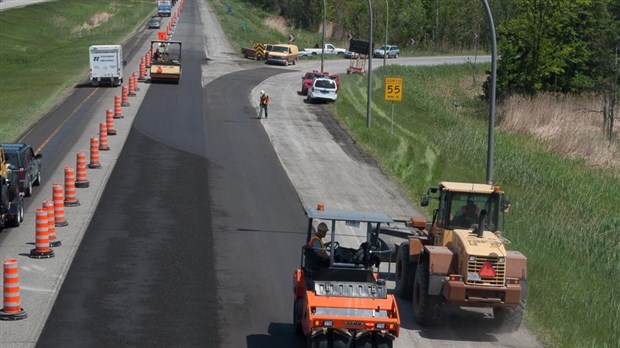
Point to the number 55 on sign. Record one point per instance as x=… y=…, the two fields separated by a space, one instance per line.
x=393 y=89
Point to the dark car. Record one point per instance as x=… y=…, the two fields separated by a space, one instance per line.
x=154 y=23
x=26 y=163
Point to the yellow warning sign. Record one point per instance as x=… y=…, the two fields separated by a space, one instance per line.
x=393 y=89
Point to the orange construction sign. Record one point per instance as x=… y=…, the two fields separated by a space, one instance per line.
x=162 y=35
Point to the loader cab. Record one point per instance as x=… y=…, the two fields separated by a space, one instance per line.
x=461 y=206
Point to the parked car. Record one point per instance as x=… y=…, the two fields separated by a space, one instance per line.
x=26 y=163
x=154 y=23
x=323 y=88
x=308 y=78
x=351 y=55
x=392 y=51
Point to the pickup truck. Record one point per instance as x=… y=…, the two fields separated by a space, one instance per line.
x=329 y=49
x=26 y=163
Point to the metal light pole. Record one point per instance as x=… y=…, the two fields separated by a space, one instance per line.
x=492 y=92
x=387 y=16
x=323 y=46
x=369 y=90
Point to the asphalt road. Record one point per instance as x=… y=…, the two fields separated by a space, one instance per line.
x=190 y=234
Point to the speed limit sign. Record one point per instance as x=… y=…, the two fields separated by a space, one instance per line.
x=393 y=89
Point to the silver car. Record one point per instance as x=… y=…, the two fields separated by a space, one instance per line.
x=392 y=51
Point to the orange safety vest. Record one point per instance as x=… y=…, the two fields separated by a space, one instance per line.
x=264 y=99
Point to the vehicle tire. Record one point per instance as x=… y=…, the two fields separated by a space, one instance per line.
x=4 y=197
x=404 y=272
x=28 y=191
x=13 y=186
x=396 y=56
x=297 y=312
x=426 y=308
x=508 y=319
x=19 y=218
x=37 y=180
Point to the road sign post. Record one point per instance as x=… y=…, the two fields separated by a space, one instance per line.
x=393 y=92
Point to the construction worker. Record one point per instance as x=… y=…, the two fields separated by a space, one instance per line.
x=316 y=242
x=263 y=104
x=467 y=214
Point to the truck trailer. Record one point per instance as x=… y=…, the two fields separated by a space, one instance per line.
x=106 y=64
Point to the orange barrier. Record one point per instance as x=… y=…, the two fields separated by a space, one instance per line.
x=48 y=205
x=132 y=87
x=94 y=154
x=125 y=95
x=42 y=244
x=118 y=113
x=142 y=76
x=70 y=198
x=12 y=309
x=59 y=205
x=103 y=137
x=80 y=164
x=162 y=35
x=149 y=56
x=109 y=119
x=134 y=76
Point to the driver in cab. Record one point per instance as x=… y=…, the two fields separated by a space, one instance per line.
x=316 y=242
x=467 y=214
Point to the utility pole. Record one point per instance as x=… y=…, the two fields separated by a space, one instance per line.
x=323 y=47
x=387 y=16
x=492 y=92
x=369 y=87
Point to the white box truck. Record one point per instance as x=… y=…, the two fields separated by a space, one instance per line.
x=106 y=64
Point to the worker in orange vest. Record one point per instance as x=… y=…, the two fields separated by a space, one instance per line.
x=263 y=104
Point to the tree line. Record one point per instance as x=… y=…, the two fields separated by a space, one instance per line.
x=560 y=46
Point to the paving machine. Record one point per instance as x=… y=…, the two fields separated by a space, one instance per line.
x=340 y=300
x=165 y=61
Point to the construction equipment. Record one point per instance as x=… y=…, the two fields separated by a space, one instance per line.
x=357 y=65
x=11 y=199
x=459 y=257
x=340 y=301
x=165 y=61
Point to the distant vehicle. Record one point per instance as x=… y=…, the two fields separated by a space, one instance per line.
x=350 y=55
x=322 y=88
x=154 y=23
x=308 y=78
x=284 y=54
x=26 y=163
x=392 y=51
x=106 y=64
x=164 y=8
x=329 y=49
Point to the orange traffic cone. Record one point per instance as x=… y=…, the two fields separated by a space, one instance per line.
x=42 y=244
x=70 y=198
x=118 y=112
x=142 y=76
x=94 y=154
x=59 y=205
x=12 y=309
x=109 y=119
x=48 y=205
x=103 y=137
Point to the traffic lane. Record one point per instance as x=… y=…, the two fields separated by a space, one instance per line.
x=259 y=222
x=143 y=275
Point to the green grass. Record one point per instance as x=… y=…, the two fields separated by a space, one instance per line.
x=44 y=52
x=565 y=215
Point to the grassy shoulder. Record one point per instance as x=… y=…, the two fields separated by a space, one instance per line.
x=44 y=52
x=561 y=218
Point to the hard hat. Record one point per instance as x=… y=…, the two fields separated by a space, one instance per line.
x=322 y=227
x=262 y=92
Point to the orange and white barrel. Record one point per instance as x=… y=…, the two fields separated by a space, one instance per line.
x=94 y=153
x=59 y=205
x=48 y=205
x=42 y=243
x=125 y=95
x=11 y=306
x=70 y=197
x=109 y=120
x=118 y=112
x=103 y=137
x=80 y=164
